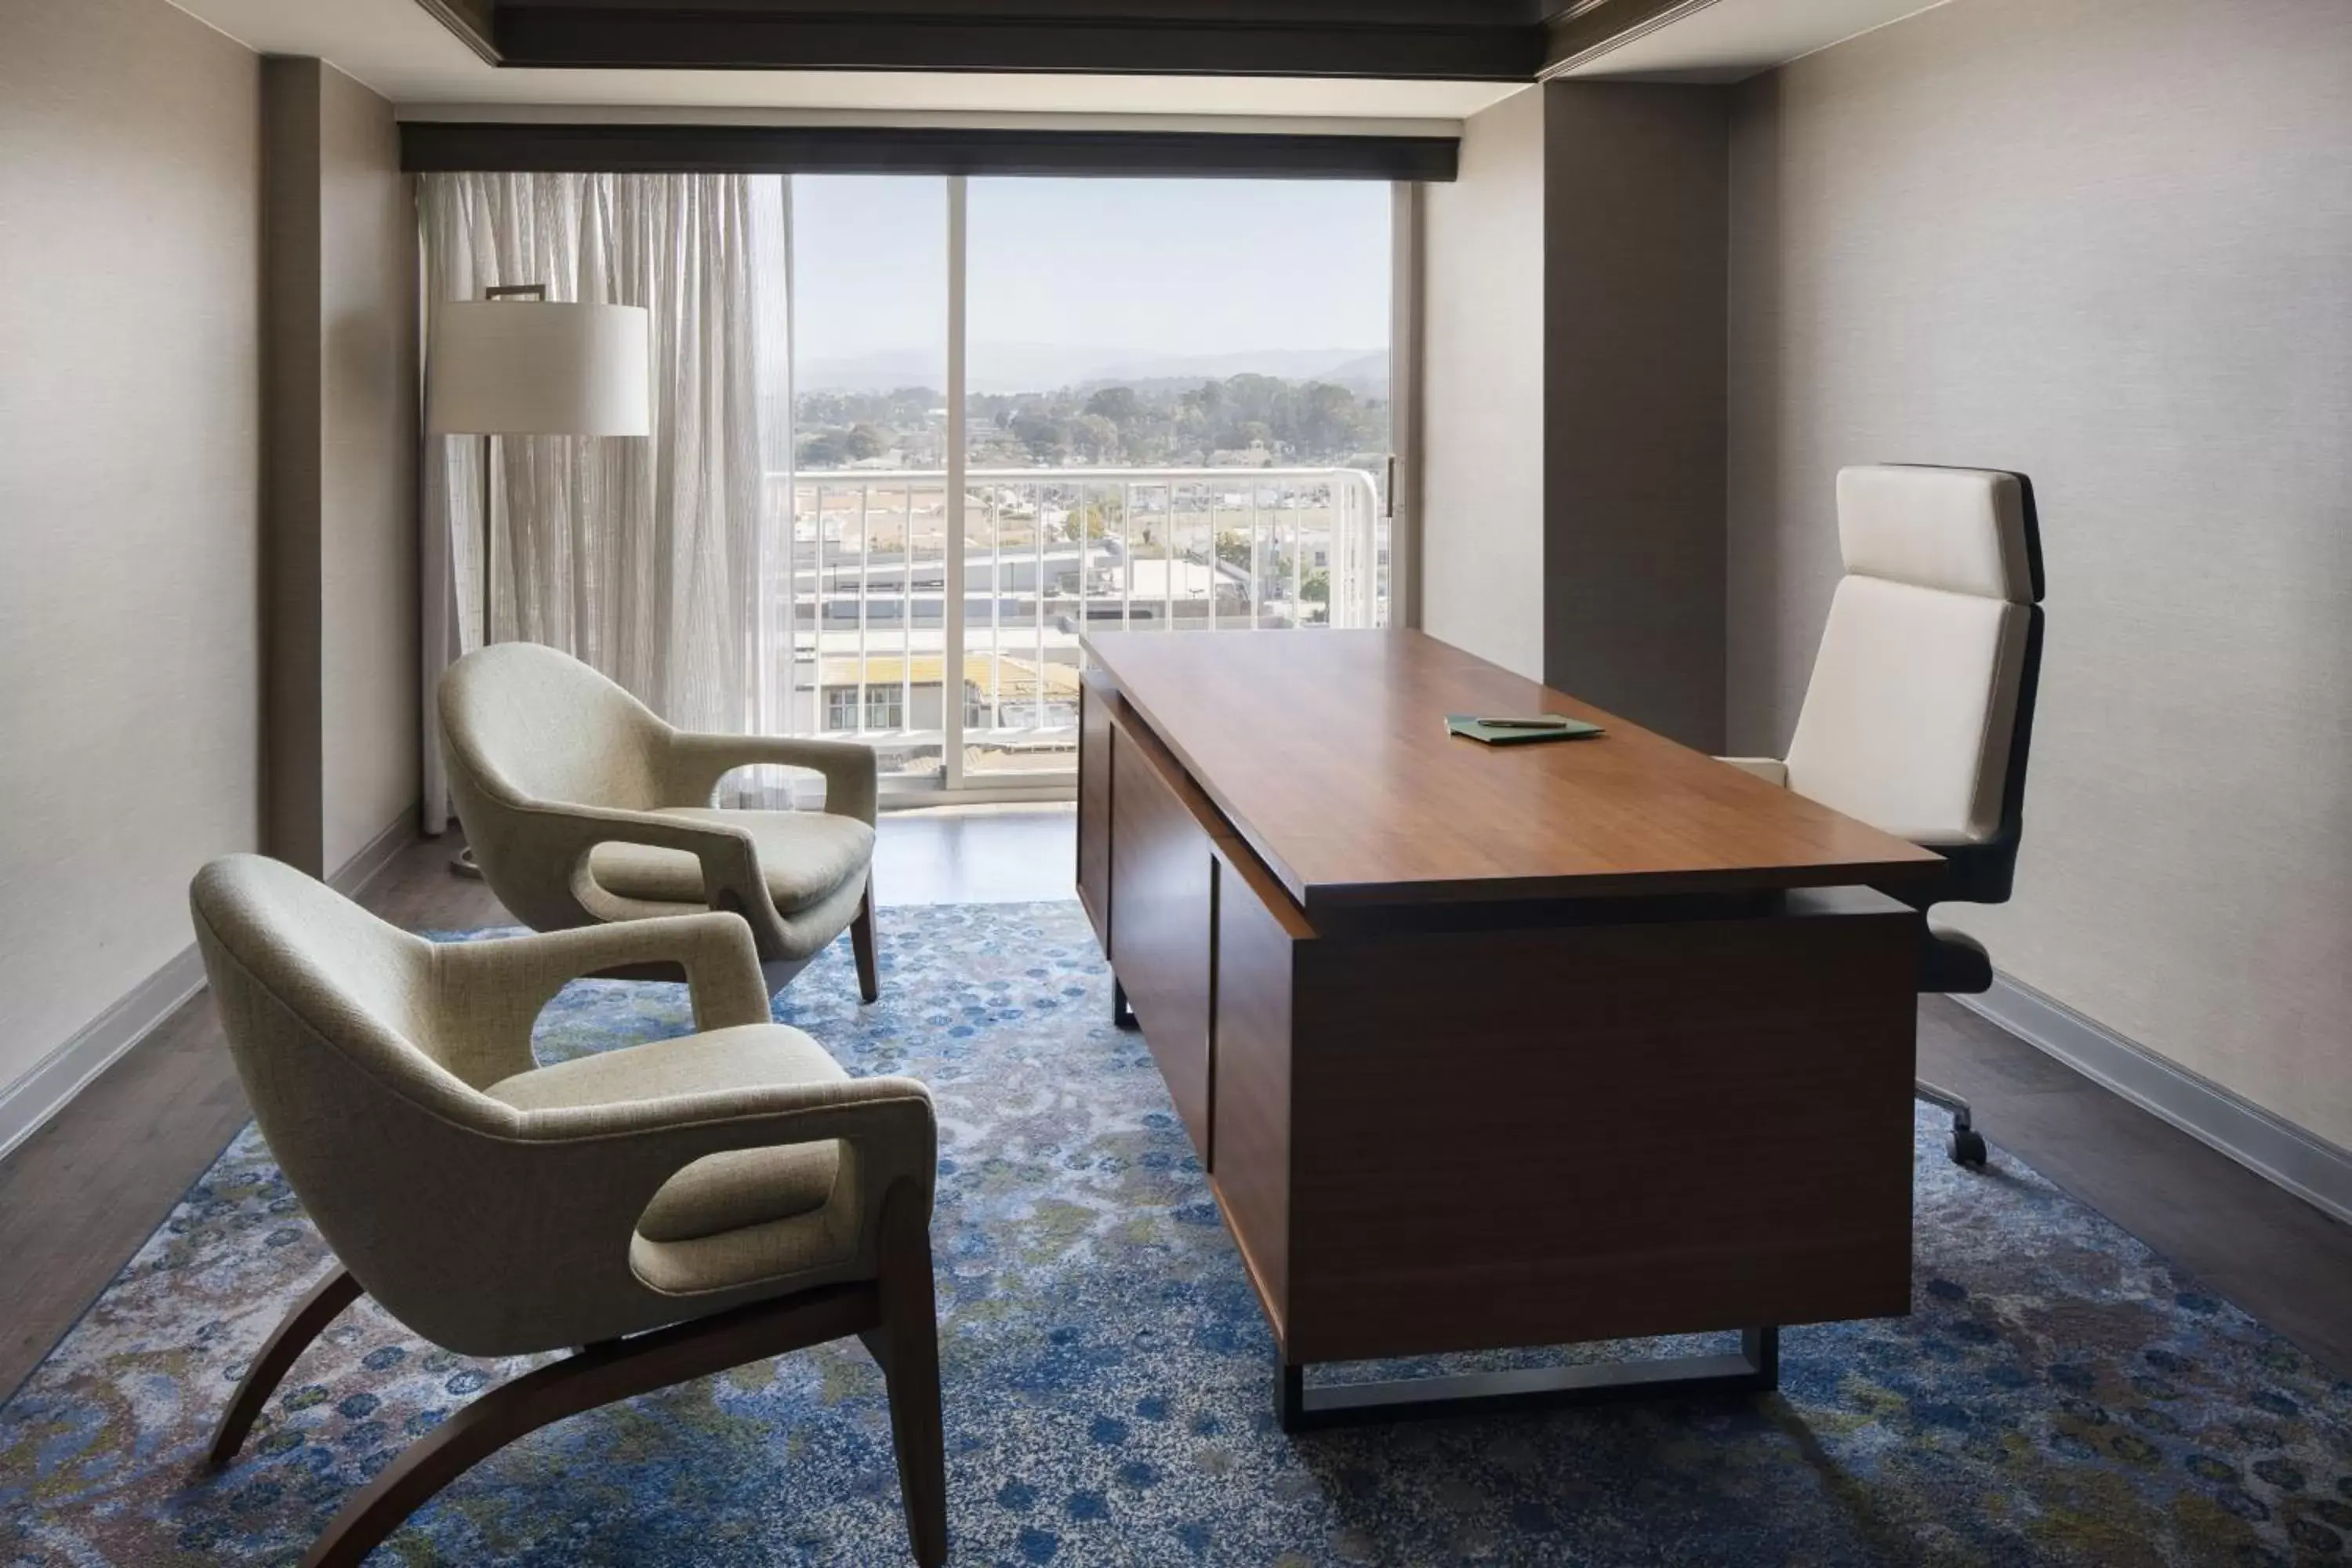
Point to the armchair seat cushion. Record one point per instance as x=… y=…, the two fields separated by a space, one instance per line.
x=719 y=1193
x=804 y=857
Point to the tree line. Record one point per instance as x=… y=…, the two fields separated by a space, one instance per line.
x=1242 y=418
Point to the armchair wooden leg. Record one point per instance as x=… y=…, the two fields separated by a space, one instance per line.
x=908 y=1346
x=601 y=1375
x=306 y=1322
x=861 y=940
x=779 y=972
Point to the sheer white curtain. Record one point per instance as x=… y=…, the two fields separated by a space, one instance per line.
x=642 y=557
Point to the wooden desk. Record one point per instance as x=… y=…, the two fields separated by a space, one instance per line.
x=1498 y=1047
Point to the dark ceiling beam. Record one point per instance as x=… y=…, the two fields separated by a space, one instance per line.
x=1106 y=43
x=1405 y=40
x=428 y=146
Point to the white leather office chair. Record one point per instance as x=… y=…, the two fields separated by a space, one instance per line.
x=1921 y=703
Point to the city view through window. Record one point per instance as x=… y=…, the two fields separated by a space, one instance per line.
x=1176 y=417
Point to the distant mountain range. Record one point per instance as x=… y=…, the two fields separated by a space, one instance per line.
x=1047 y=367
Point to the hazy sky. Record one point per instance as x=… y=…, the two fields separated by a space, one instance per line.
x=1162 y=267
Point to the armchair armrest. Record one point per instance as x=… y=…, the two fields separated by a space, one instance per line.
x=561 y=1191
x=852 y=777
x=1771 y=770
x=489 y=994
x=888 y=1123
x=893 y=1113
x=731 y=879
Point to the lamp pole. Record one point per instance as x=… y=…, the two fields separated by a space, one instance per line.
x=463 y=863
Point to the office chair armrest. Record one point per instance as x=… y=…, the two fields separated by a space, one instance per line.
x=851 y=776
x=489 y=994
x=1953 y=964
x=1771 y=770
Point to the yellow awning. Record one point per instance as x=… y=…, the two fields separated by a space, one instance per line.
x=1004 y=679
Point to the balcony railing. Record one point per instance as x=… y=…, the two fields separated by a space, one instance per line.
x=858 y=588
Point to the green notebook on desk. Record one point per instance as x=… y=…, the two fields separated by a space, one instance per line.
x=1498 y=729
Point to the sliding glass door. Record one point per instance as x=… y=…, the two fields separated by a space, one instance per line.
x=1177 y=404
x=1021 y=409
x=866 y=485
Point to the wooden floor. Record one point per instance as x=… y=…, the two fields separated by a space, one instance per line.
x=2283 y=1261
x=80 y=1195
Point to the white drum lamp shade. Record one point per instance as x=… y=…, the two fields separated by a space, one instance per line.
x=534 y=367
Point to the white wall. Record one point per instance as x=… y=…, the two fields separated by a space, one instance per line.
x=2108 y=243
x=1482 y=481
x=129 y=496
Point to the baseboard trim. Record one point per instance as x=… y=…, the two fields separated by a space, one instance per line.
x=29 y=1103
x=26 y=1105
x=377 y=853
x=2306 y=1166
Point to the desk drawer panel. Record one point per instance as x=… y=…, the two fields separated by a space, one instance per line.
x=1163 y=887
x=1540 y=1135
x=1093 y=803
x=1257 y=944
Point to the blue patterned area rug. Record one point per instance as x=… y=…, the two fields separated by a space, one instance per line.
x=2057 y=1395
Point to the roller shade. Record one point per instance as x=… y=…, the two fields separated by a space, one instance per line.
x=436 y=146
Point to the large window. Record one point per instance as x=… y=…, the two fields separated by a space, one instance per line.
x=1174 y=416
x=869 y=481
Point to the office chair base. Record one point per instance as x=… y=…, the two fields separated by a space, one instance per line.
x=1967 y=1143
x=1301 y=1406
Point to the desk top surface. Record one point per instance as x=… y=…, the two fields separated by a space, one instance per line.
x=1327 y=752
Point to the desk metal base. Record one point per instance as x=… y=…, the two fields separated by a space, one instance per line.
x=1755 y=1368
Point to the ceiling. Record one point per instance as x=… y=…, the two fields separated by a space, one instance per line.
x=1730 y=39
x=399 y=50
x=402 y=52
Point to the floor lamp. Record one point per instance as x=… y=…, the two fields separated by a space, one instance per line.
x=515 y=362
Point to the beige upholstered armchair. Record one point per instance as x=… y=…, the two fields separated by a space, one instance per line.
x=582 y=806
x=676 y=1208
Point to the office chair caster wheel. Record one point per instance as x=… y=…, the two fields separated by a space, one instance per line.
x=1967 y=1147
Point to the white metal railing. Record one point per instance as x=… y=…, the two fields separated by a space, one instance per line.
x=857 y=582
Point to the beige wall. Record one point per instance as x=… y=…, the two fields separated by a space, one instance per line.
x=1482 y=484
x=1633 y=425
x=1573 y=423
x=368 y=556
x=341 y=723
x=136 y=478
x=129 y=503
x=292 y=450
x=2108 y=243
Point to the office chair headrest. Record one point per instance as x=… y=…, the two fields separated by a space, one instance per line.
x=1965 y=530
